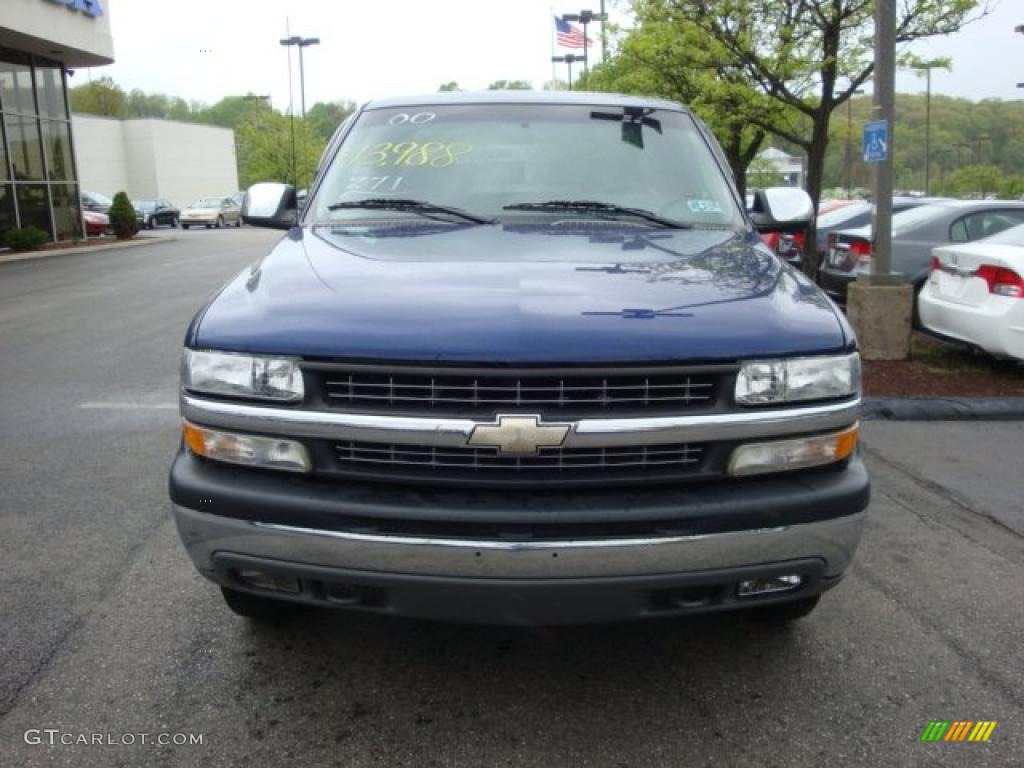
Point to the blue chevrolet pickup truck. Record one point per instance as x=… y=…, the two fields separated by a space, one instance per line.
x=521 y=358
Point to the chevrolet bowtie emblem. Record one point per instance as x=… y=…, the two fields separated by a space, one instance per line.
x=523 y=435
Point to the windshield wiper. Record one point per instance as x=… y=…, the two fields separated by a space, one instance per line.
x=594 y=206
x=404 y=204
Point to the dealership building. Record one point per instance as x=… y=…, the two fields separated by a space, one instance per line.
x=49 y=158
x=40 y=40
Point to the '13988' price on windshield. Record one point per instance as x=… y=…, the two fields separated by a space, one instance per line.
x=406 y=154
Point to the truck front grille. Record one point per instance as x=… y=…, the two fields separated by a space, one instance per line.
x=486 y=465
x=486 y=391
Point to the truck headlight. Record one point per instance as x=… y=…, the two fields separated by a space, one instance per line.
x=761 y=382
x=224 y=373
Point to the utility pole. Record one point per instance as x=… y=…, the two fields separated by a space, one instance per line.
x=604 y=34
x=880 y=304
x=884 y=109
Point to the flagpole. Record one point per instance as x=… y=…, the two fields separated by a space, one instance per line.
x=551 y=17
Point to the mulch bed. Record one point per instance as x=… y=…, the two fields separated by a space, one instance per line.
x=940 y=369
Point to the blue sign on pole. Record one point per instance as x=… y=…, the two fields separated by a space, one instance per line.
x=876 y=141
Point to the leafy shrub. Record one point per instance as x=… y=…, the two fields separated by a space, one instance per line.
x=26 y=238
x=122 y=217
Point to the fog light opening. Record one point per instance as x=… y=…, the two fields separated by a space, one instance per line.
x=769 y=585
x=268 y=581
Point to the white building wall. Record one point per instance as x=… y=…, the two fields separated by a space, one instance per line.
x=190 y=161
x=181 y=162
x=99 y=153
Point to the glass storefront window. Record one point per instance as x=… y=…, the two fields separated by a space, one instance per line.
x=34 y=206
x=25 y=147
x=37 y=168
x=66 y=216
x=7 y=220
x=50 y=88
x=16 y=92
x=4 y=170
x=57 y=140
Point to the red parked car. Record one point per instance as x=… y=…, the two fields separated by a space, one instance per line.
x=96 y=224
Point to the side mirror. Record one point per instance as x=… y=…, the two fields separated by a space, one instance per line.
x=781 y=209
x=270 y=205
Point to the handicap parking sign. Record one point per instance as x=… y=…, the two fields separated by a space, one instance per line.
x=876 y=141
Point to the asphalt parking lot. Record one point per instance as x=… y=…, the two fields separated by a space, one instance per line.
x=107 y=629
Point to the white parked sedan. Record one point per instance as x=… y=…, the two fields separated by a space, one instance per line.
x=975 y=293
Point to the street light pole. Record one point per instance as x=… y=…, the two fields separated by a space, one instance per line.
x=928 y=131
x=568 y=59
x=585 y=18
x=301 y=43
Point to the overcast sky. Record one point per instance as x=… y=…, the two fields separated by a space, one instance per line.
x=205 y=49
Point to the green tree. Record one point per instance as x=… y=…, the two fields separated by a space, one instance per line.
x=265 y=150
x=556 y=85
x=510 y=85
x=232 y=111
x=325 y=116
x=670 y=59
x=101 y=97
x=762 y=173
x=451 y=85
x=974 y=181
x=809 y=56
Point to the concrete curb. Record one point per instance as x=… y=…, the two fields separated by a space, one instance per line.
x=943 y=409
x=10 y=258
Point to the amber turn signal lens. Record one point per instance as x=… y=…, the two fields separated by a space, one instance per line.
x=787 y=455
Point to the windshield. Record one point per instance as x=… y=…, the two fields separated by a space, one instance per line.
x=1012 y=236
x=145 y=205
x=206 y=203
x=99 y=199
x=481 y=158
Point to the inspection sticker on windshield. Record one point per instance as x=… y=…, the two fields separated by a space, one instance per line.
x=704 y=206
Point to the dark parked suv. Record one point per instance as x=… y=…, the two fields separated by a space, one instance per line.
x=521 y=358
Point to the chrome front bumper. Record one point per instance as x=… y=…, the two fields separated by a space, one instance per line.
x=205 y=536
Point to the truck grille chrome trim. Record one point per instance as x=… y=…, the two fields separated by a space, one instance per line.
x=565 y=392
x=374 y=456
x=455 y=433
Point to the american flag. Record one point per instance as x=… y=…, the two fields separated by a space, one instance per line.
x=568 y=36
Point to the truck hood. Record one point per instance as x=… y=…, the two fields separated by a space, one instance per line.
x=590 y=292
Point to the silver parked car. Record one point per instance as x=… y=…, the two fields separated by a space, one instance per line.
x=212 y=212
x=915 y=233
